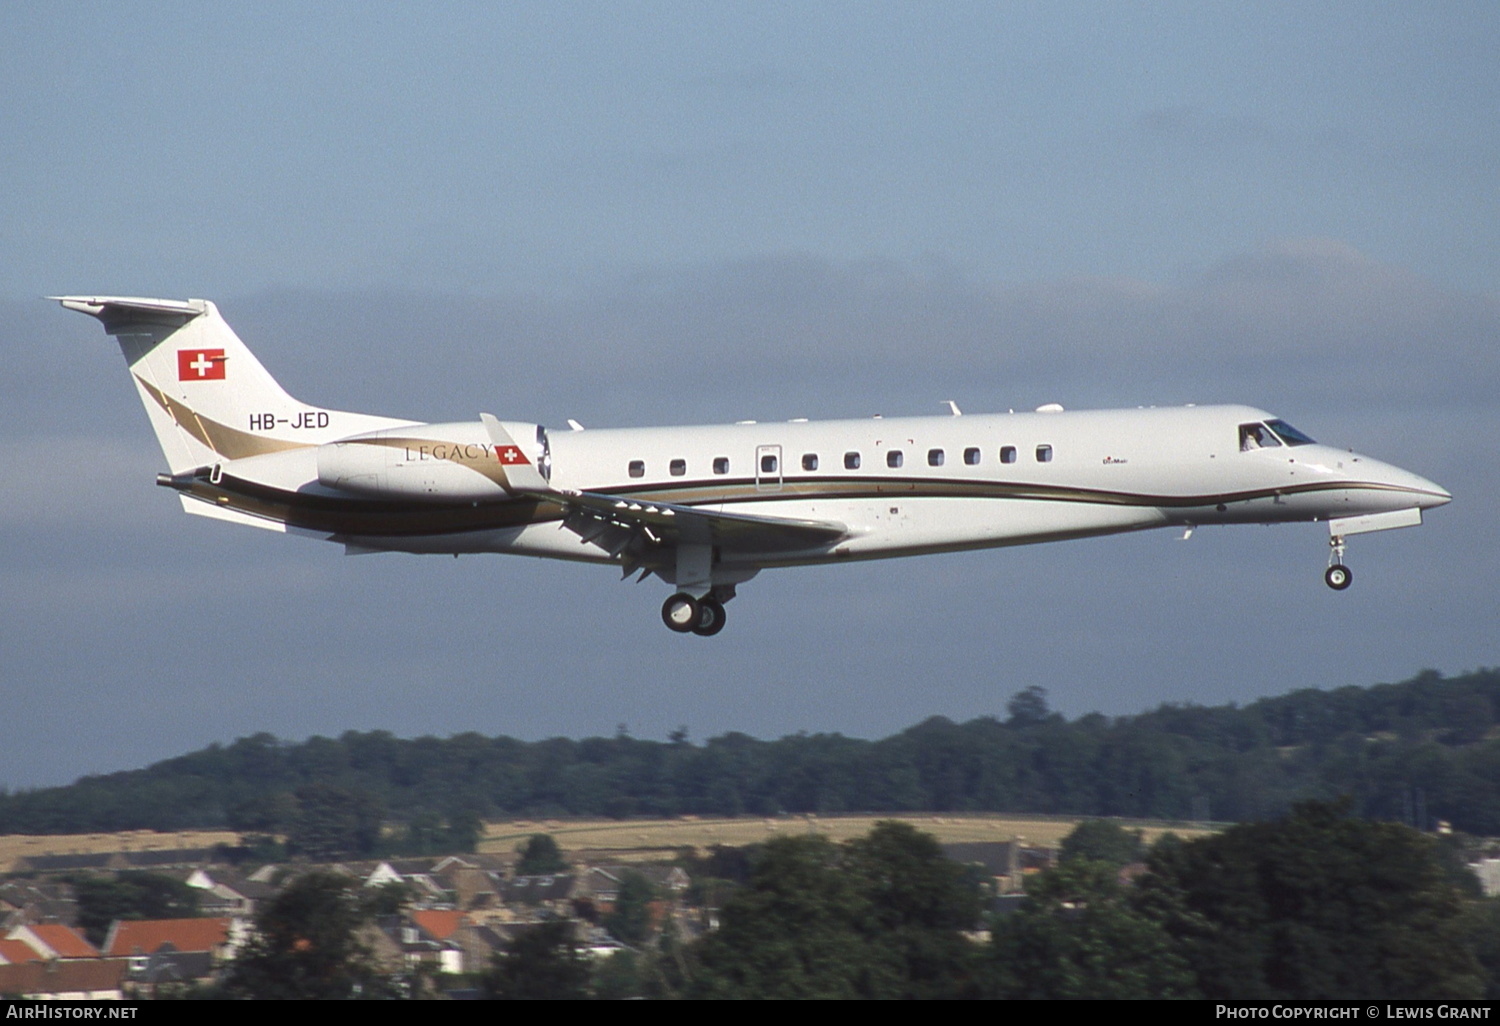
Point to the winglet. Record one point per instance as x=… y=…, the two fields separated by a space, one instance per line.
x=521 y=474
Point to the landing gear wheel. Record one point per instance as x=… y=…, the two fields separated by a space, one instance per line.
x=710 y=617
x=682 y=612
x=1338 y=577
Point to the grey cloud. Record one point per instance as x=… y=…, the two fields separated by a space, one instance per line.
x=1296 y=320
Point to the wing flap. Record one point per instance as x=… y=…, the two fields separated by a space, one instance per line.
x=670 y=522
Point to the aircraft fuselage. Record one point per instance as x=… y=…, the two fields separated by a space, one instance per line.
x=706 y=508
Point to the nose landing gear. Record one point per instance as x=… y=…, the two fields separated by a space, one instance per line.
x=1337 y=576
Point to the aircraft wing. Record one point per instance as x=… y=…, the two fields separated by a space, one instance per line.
x=669 y=522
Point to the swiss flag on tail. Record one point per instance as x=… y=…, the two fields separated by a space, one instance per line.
x=510 y=454
x=200 y=364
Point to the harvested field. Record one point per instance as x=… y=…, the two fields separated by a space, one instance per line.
x=652 y=836
x=16 y=846
x=626 y=839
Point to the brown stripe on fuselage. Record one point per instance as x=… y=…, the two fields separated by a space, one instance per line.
x=700 y=493
x=387 y=518
x=231 y=443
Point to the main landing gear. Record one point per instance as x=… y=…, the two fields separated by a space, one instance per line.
x=685 y=614
x=1337 y=576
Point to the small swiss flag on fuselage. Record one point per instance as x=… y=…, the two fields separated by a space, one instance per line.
x=200 y=364
x=509 y=454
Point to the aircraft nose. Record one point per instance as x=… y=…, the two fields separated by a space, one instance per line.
x=1426 y=494
x=1438 y=495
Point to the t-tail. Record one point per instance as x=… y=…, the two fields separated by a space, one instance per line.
x=208 y=397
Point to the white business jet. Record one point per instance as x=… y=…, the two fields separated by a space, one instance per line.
x=707 y=508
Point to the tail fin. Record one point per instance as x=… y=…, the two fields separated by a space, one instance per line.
x=208 y=397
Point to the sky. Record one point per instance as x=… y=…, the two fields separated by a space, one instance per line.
x=675 y=213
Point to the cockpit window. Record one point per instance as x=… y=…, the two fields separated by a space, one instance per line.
x=1257 y=436
x=1289 y=434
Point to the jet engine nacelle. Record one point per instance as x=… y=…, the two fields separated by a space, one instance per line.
x=456 y=462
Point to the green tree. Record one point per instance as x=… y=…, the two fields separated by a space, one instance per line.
x=880 y=917
x=334 y=822
x=630 y=922
x=102 y=900
x=465 y=828
x=541 y=856
x=388 y=899
x=1315 y=905
x=1102 y=841
x=264 y=813
x=922 y=903
x=1483 y=925
x=543 y=962
x=1077 y=936
x=305 y=946
x=428 y=833
x=797 y=930
x=1028 y=707
x=619 y=976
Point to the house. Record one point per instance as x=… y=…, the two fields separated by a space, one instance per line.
x=426 y=937
x=100 y=979
x=472 y=880
x=34 y=901
x=163 y=858
x=15 y=952
x=1488 y=871
x=115 y=861
x=167 y=950
x=414 y=873
x=226 y=893
x=601 y=884
x=98 y=862
x=54 y=941
x=539 y=897
x=166 y=966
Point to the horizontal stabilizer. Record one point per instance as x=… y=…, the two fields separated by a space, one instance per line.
x=199 y=508
x=117 y=312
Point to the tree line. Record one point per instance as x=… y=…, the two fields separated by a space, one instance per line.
x=1411 y=752
x=1316 y=904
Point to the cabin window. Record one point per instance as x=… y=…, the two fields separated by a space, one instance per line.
x=809 y=461
x=1044 y=454
x=1008 y=454
x=934 y=457
x=721 y=464
x=971 y=456
x=894 y=458
x=677 y=467
x=851 y=461
x=637 y=468
x=768 y=464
